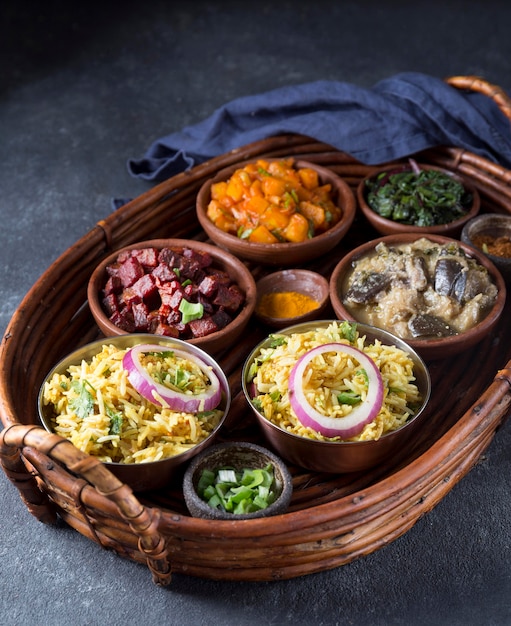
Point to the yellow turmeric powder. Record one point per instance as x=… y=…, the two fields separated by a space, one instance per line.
x=283 y=304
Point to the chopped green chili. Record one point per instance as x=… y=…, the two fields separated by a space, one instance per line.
x=190 y=310
x=349 y=397
x=238 y=491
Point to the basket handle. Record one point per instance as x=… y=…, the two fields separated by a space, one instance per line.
x=476 y=83
x=142 y=520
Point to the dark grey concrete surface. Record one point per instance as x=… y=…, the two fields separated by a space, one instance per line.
x=84 y=87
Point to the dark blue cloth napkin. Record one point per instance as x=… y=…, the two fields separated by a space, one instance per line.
x=397 y=117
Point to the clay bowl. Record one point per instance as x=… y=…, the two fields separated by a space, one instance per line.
x=431 y=347
x=237 y=455
x=339 y=456
x=149 y=475
x=283 y=254
x=386 y=226
x=303 y=282
x=222 y=260
x=493 y=225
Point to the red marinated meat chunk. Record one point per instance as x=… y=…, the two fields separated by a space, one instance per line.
x=145 y=287
x=209 y=324
x=206 y=303
x=123 y=319
x=171 y=295
x=140 y=314
x=185 y=266
x=174 y=318
x=221 y=318
x=229 y=298
x=220 y=276
x=203 y=327
x=123 y=256
x=113 y=285
x=130 y=271
x=189 y=268
x=147 y=257
x=207 y=286
x=128 y=297
x=163 y=274
x=190 y=291
x=169 y=257
x=204 y=259
x=111 y=303
x=166 y=330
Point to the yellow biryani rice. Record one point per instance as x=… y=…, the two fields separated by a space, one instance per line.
x=95 y=406
x=330 y=374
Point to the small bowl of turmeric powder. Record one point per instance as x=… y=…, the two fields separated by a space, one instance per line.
x=491 y=234
x=291 y=296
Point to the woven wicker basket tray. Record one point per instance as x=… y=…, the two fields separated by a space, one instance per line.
x=332 y=519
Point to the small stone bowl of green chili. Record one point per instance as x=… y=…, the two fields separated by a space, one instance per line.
x=418 y=198
x=237 y=480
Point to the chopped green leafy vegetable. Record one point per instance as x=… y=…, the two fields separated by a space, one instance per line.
x=276 y=340
x=181 y=378
x=238 y=491
x=115 y=421
x=418 y=197
x=83 y=403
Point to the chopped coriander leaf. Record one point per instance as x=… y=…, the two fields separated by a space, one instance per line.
x=275 y=396
x=257 y=404
x=277 y=341
x=181 y=378
x=83 y=403
x=115 y=422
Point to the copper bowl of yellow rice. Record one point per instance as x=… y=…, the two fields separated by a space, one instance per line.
x=336 y=396
x=144 y=405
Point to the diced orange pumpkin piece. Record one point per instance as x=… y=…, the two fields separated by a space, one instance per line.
x=235 y=187
x=274 y=219
x=298 y=228
x=218 y=190
x=220 y=218
x=309 y=178
x=322 y=193
x=252 y=169
x=256 y=205
x=272 y=186
x=256 y=188
x=214 y=210
x=261 y=234
x=314 y=213
x=262 y=164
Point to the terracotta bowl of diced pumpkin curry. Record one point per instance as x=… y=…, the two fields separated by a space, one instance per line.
x=276 y=211
x=184 y=289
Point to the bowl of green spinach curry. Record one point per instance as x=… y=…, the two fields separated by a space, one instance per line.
x=413 y=197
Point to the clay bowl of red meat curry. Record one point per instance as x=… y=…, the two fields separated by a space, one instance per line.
x=180 y=288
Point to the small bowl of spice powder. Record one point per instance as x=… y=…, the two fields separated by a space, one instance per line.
x=291 y=296
x=491 y=233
